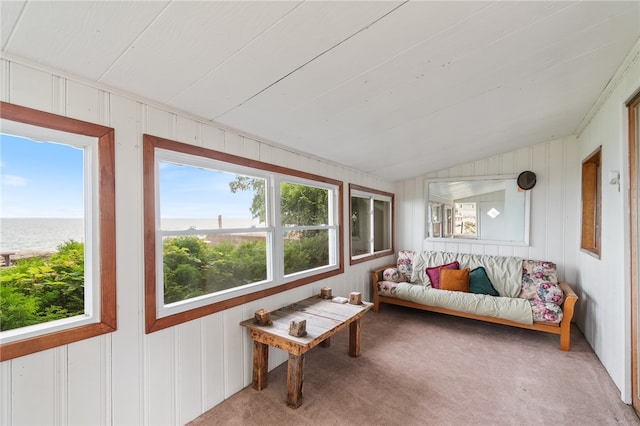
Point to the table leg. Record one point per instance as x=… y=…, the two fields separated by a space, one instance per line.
x=354 y=339
x=295 y=379
x=260 y=365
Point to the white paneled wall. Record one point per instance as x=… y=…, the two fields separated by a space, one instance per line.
x=604 y=284
x=554 y=200
x=129 y=377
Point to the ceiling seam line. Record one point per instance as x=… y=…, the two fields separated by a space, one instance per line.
x=126 y=49
x=413 y=46
x=249 y=43
x=313 y=59
x=16 y=25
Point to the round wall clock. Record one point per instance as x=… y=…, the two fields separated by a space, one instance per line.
x=527 y=180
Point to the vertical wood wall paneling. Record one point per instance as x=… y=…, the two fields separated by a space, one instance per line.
x=189 y=370
x=33 y=380
x=160 y=374
x=61 y=385
x=128 y=119
x=213 y=360
x=158 y=123
x=30 y=87
x=212 y=138
x=555 y=201
x=5 y=393
x=250 y=149
x=539 y=236
x=187 y=131
x=84 y=102
x=571 y=210
x=548 y=202
x=232 y=143
x=233 y=351
x=86 y=382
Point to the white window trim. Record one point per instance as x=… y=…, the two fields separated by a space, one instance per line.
x=273 y=230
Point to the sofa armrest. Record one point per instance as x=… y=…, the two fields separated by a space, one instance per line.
x=376 y=277
x=570 y=299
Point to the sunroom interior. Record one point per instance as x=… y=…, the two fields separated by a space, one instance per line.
x=364 y=102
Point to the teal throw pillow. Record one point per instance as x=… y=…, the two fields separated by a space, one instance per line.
x=479 y=282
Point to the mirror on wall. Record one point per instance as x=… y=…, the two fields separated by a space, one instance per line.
x=484 y=209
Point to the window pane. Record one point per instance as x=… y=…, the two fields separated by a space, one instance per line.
x=382 y=225
x=465 y=222
x=305 y=250
x=196 y=265
x=303 y=205
x=195 y=198
x=198 y=198
x=41 y=232
x=360 y=226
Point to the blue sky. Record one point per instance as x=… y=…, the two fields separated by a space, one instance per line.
x=44 y=179
x=40 y=179
x=193 y=192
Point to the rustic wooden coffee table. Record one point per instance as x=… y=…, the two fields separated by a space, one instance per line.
x=324 y=319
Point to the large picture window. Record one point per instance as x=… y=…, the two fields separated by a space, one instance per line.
x=371 y=223
x=57 y=281
x=221 y=230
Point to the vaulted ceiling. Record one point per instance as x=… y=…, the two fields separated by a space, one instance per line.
x=395 y=89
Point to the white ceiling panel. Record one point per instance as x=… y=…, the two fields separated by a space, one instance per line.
x=213 y=31
x=84 y=38
x=300 y=37
x=393 y=88
x=9 y=13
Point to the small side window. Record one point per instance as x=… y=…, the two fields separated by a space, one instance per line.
x=371 y=223
x=591 y=203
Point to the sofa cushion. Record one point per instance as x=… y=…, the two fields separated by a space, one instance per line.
x=454 y=279
x=540 y=282
x=545 y=312
x=405 y=264
x=433 y=272
x=391 y=274
x=387 y=288
x=505 y=272
x=480 y=283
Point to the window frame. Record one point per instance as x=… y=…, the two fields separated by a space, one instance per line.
x=372 y=194
x=591 y=203
x=103 y=319
x=156 y=320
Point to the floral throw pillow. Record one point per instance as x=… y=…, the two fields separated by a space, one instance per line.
x=405 y=264
x=540 y=282
x=387 y=288
x=391 y=274
x=545 y=312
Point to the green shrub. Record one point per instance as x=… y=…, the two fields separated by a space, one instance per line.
x=37 y=290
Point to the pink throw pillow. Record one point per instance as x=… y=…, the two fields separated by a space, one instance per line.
x=433 y=272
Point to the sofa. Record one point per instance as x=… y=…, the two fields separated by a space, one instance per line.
x=499 y=289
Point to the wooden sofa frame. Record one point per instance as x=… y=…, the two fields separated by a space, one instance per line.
x=563 y=329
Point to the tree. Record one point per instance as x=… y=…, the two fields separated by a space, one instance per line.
x=299 y=204
x=245 y=183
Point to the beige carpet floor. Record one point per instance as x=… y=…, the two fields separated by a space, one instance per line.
x=423 y=368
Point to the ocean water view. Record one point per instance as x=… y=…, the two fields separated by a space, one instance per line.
x=38 y=234
x=46 y=234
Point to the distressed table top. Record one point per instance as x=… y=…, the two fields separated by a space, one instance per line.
x=324 y=318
